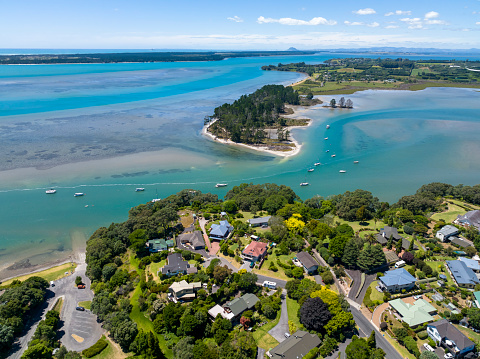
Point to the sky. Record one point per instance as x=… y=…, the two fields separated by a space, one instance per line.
x=239 y=25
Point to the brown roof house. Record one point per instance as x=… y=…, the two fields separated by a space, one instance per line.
x=255 y=251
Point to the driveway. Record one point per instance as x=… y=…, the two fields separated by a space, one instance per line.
x=356 y=276
x=278 y=331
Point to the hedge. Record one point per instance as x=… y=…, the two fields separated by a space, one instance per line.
x=422 y=335
x=95 y=348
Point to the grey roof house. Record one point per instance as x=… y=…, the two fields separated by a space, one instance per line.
x=234 y=308
x=309 y=263
x=220 y=231
x=446 y=232
x=195 y=239
x=176 y=265
x=396 y=280
x=470 y=219
x=463 y=276
x=446 y=335
x=256 y=222
x=296 y=346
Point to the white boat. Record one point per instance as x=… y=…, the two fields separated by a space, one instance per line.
x=218 y=185
x=328 y=126
x=326 y=138
x=156 y=200
x=311 y=169
x=317 y=163
x=355 y=162
x=327 y=151
x=140 y=189
x=51 y=191
x=304 y=184
x=333 y=155
x=78 y=194
x=342 y=171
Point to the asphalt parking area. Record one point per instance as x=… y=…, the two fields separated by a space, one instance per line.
x=83 y=324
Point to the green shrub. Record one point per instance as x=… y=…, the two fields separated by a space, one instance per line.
x=422 y=335
x=367 y=300
x=328 y=346
x=411 y=346
x=95 y=348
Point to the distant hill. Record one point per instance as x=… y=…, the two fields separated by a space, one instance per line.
x=292 y=49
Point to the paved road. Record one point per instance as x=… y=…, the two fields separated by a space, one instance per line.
x=278 y=331
x=260 y=353
x=356 y=276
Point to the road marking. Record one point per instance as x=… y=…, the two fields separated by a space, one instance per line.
x=77 y=338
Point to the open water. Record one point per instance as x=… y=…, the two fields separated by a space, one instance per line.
x=105 y=129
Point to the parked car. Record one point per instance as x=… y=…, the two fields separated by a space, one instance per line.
x=81 y=286
x=252 y=264
x=52 y=284
x=428 y=347
x=287 y=335
x=82 y=309
x=417 y=297
x=448 y=356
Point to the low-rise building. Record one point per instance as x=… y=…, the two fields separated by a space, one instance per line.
x=232 y=310
x=194 y=239
x=446 y=335
x=460 y=242
x=255 y=251
x=310 y=265
x=296 y=346
x=462 y=275
x=420 y=312
x=396 y=280
x=258 y=222
x=469 y=219
x=385 y=233
x=177 y=265
x=470 y=263
x=446 y=232
x=183 y=291
x=220 y=231
x=157 y=245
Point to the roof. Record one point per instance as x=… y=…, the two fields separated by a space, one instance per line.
x=388 y=231
x=255 y=249
x=461 y=273
x=391 y=257
x=295 y=346
x=471 y=218
x=221 y=229
x=178 y=286
x=175 y=263
x=195 y=238
x=307 y=260
x=217 y=309
x=470 y=263
x=380 y=239
x=460 y=242
x=477 y=296
x=259 y=220
x=157 y=244
x=397 y=277
x=238 y=305
x=448 y=230
x=447 y=330
x=406 y=244
x=415 y=314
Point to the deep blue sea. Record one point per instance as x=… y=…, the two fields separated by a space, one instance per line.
x=105 y=129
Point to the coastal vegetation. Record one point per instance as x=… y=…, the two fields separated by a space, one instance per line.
x=257 y=118
x=348 y=75
x=137 y=57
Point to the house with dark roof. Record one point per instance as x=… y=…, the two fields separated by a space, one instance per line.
x=310 y=265
x=446 y=232
x=257 y=222
x=232 y=310
x=255 y=251
x=460 y=242
x=462 y=275
x=177 y=265
x=446 y=335
x=384 y=235
x=469 y=219
x=194 y=239
x=396 y=280
x=296 y=346
x=220 y=231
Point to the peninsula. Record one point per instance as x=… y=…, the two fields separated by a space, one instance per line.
x=258 y=120
x=349 y=75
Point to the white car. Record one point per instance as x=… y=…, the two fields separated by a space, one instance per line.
x=448 y=356
x=428 y=347
x=417 y=297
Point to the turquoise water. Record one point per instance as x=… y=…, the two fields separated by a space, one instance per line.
x=69 y=114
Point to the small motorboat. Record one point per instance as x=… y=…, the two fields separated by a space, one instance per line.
x=78 y=194
x=326 y=138
x=333 y=155
x=156 y=200
x=328 y=126
x=311 y=169
x=327 y=151
x=218 y=185
x=51 y=191
x=342 y=171
x=140 y=189
x=355 y=162
x=303 y=184
x=317 y=163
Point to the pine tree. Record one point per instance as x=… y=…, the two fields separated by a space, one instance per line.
x=390 y=242
x=350 y=254
x=412 y=242
x=398 y=246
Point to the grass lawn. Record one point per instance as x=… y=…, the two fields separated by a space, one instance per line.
x=418 y=87
x=231 y=260
x=434 y=266
x=450 y=215
x=112 y=351
x=376 y=295
x=469 y=333
x=456 y=201
x=367 y=224
x=280 y=274
x=261 y=336
x=292 y=308
x=58 y=305
x=50 y=274
x=155 y=267
x=87 y=304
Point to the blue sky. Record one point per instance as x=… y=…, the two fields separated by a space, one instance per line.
x=231 y=24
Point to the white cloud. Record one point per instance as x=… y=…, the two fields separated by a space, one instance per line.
x=366 y=11
x=431 y=15
x=413 y=23
x=354 y=23
x=290 y=21
x=399 y=12
x=392 y=27
x=436 y=22
x=235 y=18
x=373 y=24
x=477 y=23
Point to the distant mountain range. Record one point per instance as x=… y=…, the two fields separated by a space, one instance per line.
x=404 y=50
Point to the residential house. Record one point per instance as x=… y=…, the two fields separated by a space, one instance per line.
x=461 y=242
x=220 y=231
x=310 y=265
x=420 y=312
x=469 y=219
x=446 y=232
x=470 y=263
x=255 y=251
x=446 y=335
x=476 y=295
x=176 y=265
x=232 y=310
x=385 y=233
x=296 y=346
x=396 y=280
x=462 y=275
x=183 y=291
x=157 y=245
x=194 y=239
x=391 y=257
x=258 y=222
